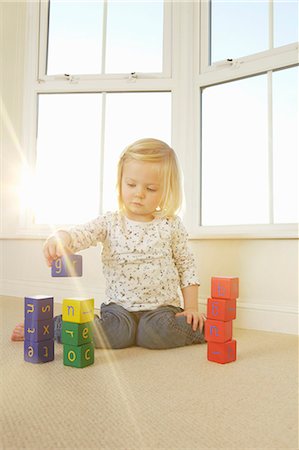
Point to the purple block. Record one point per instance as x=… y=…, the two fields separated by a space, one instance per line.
x=39 y=352
x=67 y=266
x=39 y=330
x=38 y=307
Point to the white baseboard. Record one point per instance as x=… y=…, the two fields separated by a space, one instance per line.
x=250 y=315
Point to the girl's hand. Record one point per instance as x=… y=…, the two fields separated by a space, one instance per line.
x=193 y=317
x=56 y=246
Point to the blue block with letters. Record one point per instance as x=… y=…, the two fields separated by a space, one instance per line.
x=39 y=352
x=38 y=307
x=67 y=266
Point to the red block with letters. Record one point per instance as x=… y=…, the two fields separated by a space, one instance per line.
x=221 y=309
x=225 y=287
x=222 y=353
x=218 y=331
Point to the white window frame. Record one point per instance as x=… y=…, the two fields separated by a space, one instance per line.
x=220 y=72
x=185 y=72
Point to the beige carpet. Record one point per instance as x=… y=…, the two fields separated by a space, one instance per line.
x=147 y=399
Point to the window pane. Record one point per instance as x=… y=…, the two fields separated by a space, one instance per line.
x=132 y=116
x=134 y=36
x=75 y=37
x=285 y=145
x=238 y=28
x=68 y=162
x=234 y=153
x=285 y=22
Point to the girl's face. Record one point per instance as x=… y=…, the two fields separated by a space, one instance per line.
x=141 y=189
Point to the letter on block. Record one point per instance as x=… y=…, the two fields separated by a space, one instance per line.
x=218 y=331
x=225 y=287
x=38 y=352
x=76 y=333
x=80 y=356
x=67 y=266
x=39 y=330
x=222 y=352
x=38 y=307
x=78 y=310
x=221 y=309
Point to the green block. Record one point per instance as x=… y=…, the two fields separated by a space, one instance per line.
x=80 y=356
x=76 y=333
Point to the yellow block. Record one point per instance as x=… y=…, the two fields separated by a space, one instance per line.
x=78 y=310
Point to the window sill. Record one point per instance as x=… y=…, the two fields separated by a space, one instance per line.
x=284 y=231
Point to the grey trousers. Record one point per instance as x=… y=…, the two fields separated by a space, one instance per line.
x=157 y=329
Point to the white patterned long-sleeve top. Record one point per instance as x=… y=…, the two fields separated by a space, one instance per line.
x=145 y=264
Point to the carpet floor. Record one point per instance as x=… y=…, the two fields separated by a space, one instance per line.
x=135 y=399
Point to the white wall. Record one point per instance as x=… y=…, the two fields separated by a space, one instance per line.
x=268 y=269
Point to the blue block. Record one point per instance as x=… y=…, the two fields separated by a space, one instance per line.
x=38 y=352
x=38 y=307
x=67 y=266
x=38 y=330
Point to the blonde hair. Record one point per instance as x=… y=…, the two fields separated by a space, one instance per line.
x=154 y=150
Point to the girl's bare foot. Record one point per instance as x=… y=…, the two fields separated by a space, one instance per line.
x=18 y=332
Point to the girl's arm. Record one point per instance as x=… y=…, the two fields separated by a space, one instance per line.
x=190 y=296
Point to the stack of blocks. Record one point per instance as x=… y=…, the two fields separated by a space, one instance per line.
x=76 y=332
x=38 y=329
x=221 y=311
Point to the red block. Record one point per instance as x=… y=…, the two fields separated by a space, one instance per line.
x=222 y=352
x=225 y=287
x=221 y=309
x=218 y=331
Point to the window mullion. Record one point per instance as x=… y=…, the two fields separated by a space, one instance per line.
x=104 y=36
x=270 y=148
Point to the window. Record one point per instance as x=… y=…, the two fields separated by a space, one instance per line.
x=98 y=37
x=85 y=100
x=217 y=79
x=76 y=175
x=248 y=83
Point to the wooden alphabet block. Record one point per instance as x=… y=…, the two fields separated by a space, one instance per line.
x=67 y=266
x=38 y=307
x=80 y=356
x=39 y=352
x=218 y=331
x=222 y=352
x=78 y=310
x=221 y=309
x=225 y=287
x=38 y=330
x=76 y=333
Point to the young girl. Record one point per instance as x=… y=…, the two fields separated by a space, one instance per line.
x=147 y=264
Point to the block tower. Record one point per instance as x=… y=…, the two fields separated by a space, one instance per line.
x=76 y=332
x=221 y=311
x=38 y=329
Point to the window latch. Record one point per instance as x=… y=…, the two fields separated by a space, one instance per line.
x=132 y=77
x=70 y=78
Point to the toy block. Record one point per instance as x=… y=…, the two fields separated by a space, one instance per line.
x=38 y=307
x=225 y=287
x=221 y=309
x=67 y=266
x=39 y=352
x=222 y=353
x=39 y=330
x=78 y=356
x=218 y=331
x=76 y=333
x=78 y=310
